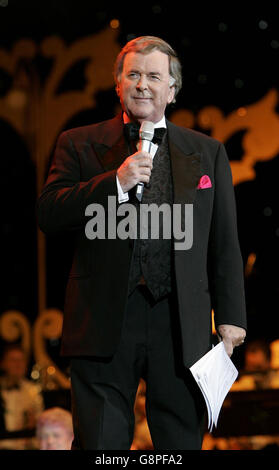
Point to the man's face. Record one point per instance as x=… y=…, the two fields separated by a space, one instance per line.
x=144 y=87
x=55 y=437
x=14 y=364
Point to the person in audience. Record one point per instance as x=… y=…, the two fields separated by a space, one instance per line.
x=257 y=372
x=21 y=399
x=55 y=430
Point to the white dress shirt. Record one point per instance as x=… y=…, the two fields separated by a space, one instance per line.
x=124 y=197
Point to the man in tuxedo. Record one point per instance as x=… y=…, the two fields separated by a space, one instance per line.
x=142 y=307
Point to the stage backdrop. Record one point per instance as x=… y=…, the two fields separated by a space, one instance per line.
x=56 y=61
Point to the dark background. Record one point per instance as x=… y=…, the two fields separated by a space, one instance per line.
x=230 y=59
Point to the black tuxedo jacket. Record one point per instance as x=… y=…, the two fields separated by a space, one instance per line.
x=208 y=276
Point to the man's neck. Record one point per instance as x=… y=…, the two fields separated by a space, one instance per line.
x=9 y=381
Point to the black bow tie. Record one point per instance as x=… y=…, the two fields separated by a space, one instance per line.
x=12 y=387
x=131 y=130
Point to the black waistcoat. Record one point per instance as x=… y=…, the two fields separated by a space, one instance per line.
x=151 y=261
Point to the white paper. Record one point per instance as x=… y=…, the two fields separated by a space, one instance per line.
x=214 y=373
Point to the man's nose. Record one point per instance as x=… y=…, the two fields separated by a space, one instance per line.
x=142 y=83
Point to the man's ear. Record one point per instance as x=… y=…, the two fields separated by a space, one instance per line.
x=171 y=94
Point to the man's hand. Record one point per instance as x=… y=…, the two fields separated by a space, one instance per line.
x=231 y=336
x=135 y=169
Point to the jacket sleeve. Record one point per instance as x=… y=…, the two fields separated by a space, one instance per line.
x=64 y=198
x=225 y=260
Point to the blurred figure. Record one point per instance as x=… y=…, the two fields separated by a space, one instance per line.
x=257 y=356
x=55 y=430
x=258 y=372
x=21 y=399
x=274 y=346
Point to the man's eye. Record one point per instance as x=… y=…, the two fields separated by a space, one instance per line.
x=155 y=77
x=133 y=75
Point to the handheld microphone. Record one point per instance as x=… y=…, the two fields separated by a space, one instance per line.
x=146 y=134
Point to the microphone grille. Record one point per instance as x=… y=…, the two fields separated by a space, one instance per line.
x=146 y=131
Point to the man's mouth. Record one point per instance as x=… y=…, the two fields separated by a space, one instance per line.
x=142 y=99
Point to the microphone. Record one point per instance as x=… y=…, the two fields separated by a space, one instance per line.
x=146 y=134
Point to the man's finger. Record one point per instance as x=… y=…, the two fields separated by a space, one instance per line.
x=147 y=162
x=228 y=347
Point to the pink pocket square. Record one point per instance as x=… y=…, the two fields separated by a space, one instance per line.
x=204 y=182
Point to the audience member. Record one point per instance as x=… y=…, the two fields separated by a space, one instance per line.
x=21 y=399
x=257 y=372
x=274 y=346
x=55 y=430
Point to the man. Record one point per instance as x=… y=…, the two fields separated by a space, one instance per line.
x=22 y=400
x=139 y=307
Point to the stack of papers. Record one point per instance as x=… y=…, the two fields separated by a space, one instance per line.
x=214 y=373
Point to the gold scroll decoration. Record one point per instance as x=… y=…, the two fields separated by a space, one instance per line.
x=14 y=326
x=259 y=121
x=48 y=325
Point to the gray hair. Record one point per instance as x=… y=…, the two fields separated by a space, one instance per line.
x=54 y=416
x=145 y=45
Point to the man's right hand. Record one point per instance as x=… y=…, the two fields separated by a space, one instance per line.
x=135 y=169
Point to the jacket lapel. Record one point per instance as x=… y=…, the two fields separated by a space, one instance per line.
x=112 y=149
x=186 y=166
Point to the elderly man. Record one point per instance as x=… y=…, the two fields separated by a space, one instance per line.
x=54 y=429
x=141 y=306
x=22 y=400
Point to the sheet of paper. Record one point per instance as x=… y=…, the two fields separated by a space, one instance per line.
x=214 y=373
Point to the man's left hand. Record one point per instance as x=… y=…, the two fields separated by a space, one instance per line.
x=231 y=336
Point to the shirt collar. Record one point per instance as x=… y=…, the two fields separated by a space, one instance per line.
x=161 y=123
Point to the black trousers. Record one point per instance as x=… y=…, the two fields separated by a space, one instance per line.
x=104 y=389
